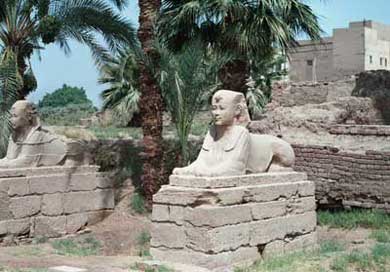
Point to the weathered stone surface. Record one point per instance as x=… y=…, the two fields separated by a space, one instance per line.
x=5 y=212
x=77 y=202
x=49 y=226
x=103 y=181
x=220 y=239
x=18 y=186
x=168 y=235
x=215 y=216
x=242 y=256
x=235 y=181
x=302 y=205
x=3 y=227
x=263 y=232
x=49 y=184
x=25 y=206
x=160 y=213
x=308 y=241
x=268 y=210
x=176 y=214
x=19 y=226
x=83 y=182
x=75 y=222
x=97 y=216
x=52 y=204
x=265 y=193
x=273 y=249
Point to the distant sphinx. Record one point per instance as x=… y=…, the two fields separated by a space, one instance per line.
x=30 y=145
x=229 y=149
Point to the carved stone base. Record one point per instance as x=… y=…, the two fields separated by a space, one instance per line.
x=220 y=222
x=52 y=201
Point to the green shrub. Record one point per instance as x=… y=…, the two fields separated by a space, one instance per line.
x=72 y=247
x=138 y=203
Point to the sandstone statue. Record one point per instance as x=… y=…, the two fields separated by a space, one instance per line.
x=229 y=149
x=30 y=145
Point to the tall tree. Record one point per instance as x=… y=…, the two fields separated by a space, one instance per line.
x=246 y=29
x=28 y=25
x=151 y=103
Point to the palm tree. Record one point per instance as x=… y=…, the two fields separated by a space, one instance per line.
x=28 y=25
x=151 y=102
x=10 y=83
x=121 y=74
x=243 y=28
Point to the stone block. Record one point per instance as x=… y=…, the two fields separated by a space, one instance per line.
x=75 y=222
x=273 y=249
x=308 y=241
x=49 y=226
x=302 y=205
x=265 y=231
x=5 y=212
x=18 y=186
x=103 y=181
x=49 y=184
x=267 y=210
x=306 y=188
x=83 y=182
x=160 y=213
x=300 y=223
x=25 y=206
x=19 y=226
x=214 y=216
x=235 y=181
x=77 y=202
x=52 y=204
x=265 y=193
x=3 y=227
x=184 y=196
x=220 y=239
x=241 y=256
x=168 y=235
x=176 y=214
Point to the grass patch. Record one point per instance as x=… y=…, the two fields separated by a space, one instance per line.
x=331 y=246
x=355 y=218
x=295 y=262
x=381 y=235
x=143 y=242
x=69 y=247
x=151 y=268
x=138 y=203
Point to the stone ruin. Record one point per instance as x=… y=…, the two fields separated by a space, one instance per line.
x=46 y=186
x=224 y=221
x=238 y=202
x=340 y=134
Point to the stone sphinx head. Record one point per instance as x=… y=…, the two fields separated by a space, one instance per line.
x=24 y=115
x=229 y=108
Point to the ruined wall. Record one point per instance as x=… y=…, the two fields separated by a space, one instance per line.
x=297 y=94
x=346 y=178
x=52 y=201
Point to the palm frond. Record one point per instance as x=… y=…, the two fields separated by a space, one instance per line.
x=10 y=83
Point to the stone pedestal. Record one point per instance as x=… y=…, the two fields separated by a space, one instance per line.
x=52 y=201
x=225 y=221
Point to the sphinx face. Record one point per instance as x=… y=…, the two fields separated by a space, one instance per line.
x=19 y=119
x=223 y=111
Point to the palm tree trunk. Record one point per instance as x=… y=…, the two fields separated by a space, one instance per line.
x=234 y=75
x=151 y=105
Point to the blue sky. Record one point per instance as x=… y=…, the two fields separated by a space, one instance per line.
x=55 y=69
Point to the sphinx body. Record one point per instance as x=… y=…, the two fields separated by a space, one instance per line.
x=30 y=145
x=229 y=149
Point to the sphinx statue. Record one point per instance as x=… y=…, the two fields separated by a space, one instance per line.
x=229 y=149
x=30 y=145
